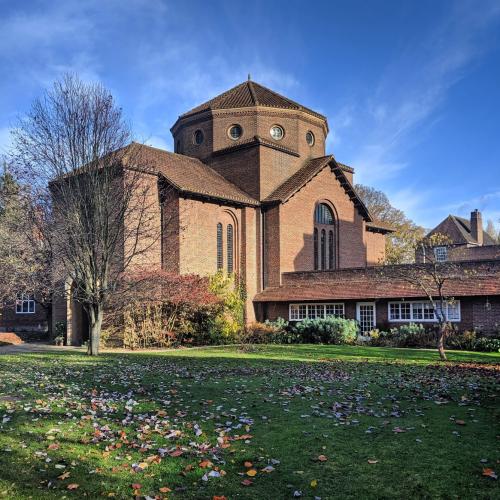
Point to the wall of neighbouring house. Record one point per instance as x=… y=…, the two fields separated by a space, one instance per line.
x=10 y=321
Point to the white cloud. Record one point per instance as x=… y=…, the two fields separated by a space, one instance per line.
x=410 y=94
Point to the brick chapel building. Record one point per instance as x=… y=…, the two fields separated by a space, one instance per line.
x=253 y=192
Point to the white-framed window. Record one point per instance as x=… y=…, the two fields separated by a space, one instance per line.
x=441 y=254
x=298 y=312
x=421 y=311
x=25 y=303
x=366 y=315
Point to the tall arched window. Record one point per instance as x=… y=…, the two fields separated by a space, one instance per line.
x=324 y=249
x=230 y=249
x=315 y=249
x=331 y=251
x=220 y=258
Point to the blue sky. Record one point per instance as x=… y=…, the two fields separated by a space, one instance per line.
x=411 y=89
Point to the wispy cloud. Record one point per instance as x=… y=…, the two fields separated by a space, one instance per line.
x=412 y=89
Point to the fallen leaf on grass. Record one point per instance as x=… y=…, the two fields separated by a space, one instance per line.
x=490 y=473
x=63 y=476
x=268 y=469
x=251 y=472
x=72 y=486
x=247 y=482
x=459 y=422
x=248 y=464
x=205 y=463
x=222 y=497
x=165 y=489
x=322 y=458
x=314 y=483
x=373 y=461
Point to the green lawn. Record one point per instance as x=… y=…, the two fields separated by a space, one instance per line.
x=266 y=422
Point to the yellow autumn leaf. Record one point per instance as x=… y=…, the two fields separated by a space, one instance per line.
x=251 y=472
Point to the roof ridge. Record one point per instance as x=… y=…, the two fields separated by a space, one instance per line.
x=252 y=92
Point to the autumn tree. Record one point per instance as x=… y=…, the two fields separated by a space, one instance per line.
x=24 y=256
x=400 y=245
x=90 y=190
x=493 y=231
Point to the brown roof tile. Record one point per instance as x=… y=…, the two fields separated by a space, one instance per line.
x=188 y=175
x=311 y=168
x=249 y=94
x=360 y=289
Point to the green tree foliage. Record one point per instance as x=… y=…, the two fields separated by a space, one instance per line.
x=400 y=245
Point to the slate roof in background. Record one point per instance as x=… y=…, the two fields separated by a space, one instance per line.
x=463 y=228
x=249 y=94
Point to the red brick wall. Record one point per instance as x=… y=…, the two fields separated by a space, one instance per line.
x=10 y=321
x=375 y=248
x=297 y=223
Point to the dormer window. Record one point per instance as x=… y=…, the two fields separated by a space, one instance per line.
x=198 y=137
x=441 y=254
x=235 y=132
x=277 y=132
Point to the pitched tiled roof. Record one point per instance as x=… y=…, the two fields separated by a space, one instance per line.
x=374 y=288
x=311 y=168
x=188 y=175
x=249 y=94
x=291 y=185
x=463 y=233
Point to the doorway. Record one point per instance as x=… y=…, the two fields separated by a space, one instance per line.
x=366 y=316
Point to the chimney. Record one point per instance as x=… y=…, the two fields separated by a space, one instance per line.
x=476 y=226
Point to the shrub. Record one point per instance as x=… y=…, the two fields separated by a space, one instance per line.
x=270 y=332
x=329 y=330
x=465 y=340
x=227 y=323
x=407 y=335
x=486 y=344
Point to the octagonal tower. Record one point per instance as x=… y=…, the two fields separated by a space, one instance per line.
x=253 y=136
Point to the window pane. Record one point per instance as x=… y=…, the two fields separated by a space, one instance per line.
x=394 y=311
x=428 y=311
x=405 y=310
x=315 y=249
x=230 y=248
x=417 y=309
x=331 y=250
x=302 y=311
x=323 y=249
x=220 y=263
x=454 y=311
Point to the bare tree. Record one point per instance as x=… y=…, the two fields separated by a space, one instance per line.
x=433 y=275
x=93 y=195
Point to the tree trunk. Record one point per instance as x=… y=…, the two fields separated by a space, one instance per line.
x=95 y=317
x=441 y=338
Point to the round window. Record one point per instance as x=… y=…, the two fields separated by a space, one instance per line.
x=277 y=132
x=235 y=132
x=198 y=137
x=310 y=138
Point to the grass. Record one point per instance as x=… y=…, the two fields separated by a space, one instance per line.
x=385 y=422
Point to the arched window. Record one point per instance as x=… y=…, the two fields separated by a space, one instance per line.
x=325 y=243
x=331 y=251
x=323 y=249
x=230 y=248
x=323 y=214
x=220 y=259
x=315 y=249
